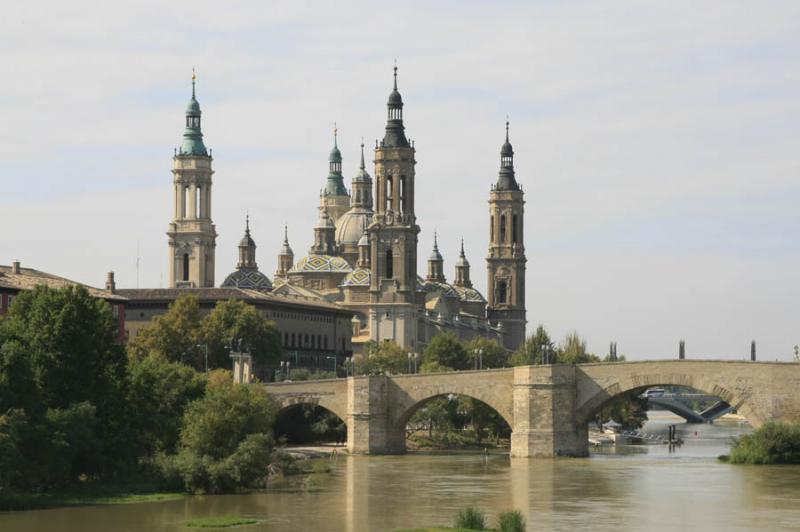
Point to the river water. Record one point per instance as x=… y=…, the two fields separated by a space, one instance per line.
x=630 y=488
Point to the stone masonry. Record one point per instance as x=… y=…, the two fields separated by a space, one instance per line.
x=547 y=407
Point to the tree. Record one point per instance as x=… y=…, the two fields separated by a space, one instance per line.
x=384 y=358
x=573 y=351
x=159 y=393
x=493 y=354
x=174 y=335
x=537 y=349
x=445 y=353
x=234 y=319
x=216 y=424
x=226 y=438
x=69 y=340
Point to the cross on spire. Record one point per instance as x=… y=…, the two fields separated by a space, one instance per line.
x=506 y=128
x=395 y=73
x=194 y=79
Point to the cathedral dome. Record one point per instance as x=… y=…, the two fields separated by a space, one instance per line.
x=321 y=263
x=352 y=225
x=246 y=278
x=446 y=289
x=358 y=277
x=469 y=294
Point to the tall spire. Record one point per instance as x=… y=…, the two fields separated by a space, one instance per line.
x=285 y=248
x=193 y=136
x=334 y=186
x=462 y=270
x=363 y=166
x=395 y=136
x=247 y=249
x=436 y=263
x=506 y=179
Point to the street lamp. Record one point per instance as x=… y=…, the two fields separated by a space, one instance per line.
x=412 y=362
x=205 y=351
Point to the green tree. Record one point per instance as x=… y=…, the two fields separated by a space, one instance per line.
x=174 y=335
x=215 y=425
x=445 y=353
x=234 y=319
x=70 y=341
x=536 y=349
x=493 y=354
x=384 y=358
x=573 y=351
x=159 y=393
x=226 y=438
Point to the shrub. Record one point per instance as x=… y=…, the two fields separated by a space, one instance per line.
x=511 y=522
x=471 y=519
x=773 y=443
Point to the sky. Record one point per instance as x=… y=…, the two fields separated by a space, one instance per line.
x=657 y=144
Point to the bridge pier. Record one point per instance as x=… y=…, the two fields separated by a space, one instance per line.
x=369 y=423
x=544 y=413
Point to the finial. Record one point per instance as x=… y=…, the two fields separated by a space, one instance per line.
x=462 y=246
x=194 y=79
x=506 y=128
x=335 y=135
x=363 y=166
x=285 y=234
x=435 y=241
x=395 y=73
x=247 y=222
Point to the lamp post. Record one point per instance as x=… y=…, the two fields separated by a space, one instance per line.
x=412 y=362
x=797 y=353
x=205 y=352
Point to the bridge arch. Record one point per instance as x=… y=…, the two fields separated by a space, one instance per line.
x=597 y=385
x=309 y=422
x=491 y=387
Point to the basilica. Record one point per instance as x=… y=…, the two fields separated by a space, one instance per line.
x=364 y=256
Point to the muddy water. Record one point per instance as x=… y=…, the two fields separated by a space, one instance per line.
x=629 y=488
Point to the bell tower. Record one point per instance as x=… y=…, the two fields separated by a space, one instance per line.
x=192 y=235
x=506 y=259
x=393 y=234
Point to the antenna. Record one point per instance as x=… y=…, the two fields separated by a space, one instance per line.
x=137 y=264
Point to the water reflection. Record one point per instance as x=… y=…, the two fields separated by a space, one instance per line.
x=629 y=488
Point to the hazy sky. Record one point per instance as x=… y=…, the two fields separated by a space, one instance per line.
x=657 y=144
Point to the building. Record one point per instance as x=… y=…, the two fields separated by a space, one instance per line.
x=15 y=278
x=359 y=281
x=365 y=258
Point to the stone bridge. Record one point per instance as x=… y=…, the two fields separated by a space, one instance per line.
x=547 y=407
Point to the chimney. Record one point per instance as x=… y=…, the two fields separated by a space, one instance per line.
x=111 y=286
x=15 y=267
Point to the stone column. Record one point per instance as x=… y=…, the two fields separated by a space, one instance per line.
x=369 y=426
x=544 y=413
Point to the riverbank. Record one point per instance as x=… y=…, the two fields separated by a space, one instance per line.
x=82 y=495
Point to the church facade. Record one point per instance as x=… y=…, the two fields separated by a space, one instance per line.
x=365 y=250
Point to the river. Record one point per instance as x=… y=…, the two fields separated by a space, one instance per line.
x=630 y=488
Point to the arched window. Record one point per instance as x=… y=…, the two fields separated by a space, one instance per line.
x=402 y=193
x=502 y=292
x=491 y=228
x=389 y=264
x=186 y=203
x=388 y=193
x=198 y=193
x=502 y=228
x=514 y=228
x=185 y=266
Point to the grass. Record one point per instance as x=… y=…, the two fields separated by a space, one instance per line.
x=81 y=495
x=219 y=521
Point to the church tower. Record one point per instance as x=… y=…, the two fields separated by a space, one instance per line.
x=435 y=264
x=506 y=259
x=334 y=198
x=393 y=235
x=192 y=235
x=285 y=257
x=462 y=270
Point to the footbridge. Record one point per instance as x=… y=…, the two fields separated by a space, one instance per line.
x=547 y=407
x=676 y=404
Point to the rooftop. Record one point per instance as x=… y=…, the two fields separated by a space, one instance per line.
x=28 y=279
